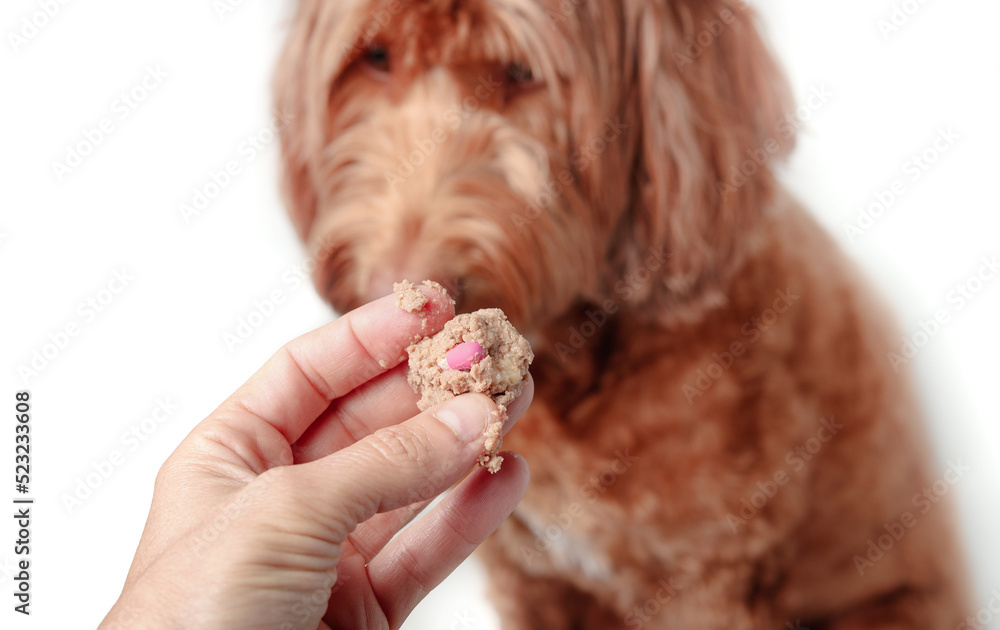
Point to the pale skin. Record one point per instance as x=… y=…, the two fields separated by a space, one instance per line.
x=278 y=509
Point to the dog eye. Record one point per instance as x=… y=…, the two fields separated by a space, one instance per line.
x=377 y=57
x=520 y=73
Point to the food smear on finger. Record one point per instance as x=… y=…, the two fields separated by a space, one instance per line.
x=409 y=297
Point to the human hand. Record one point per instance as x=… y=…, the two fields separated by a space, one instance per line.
x=278 y=509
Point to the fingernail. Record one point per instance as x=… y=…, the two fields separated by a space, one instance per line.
x=465 y=416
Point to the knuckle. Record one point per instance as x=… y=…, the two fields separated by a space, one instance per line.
x=401 y=445
x=282 y=490
x=280 y=476
x=164 y=476
x=279 y=481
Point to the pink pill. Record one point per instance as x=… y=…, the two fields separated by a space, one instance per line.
x=464 y=355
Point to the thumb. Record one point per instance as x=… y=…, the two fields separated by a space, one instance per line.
x=403 y=464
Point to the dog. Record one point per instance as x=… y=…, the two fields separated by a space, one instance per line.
x=720 y=437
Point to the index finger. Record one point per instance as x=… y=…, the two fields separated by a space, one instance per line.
x=298 y=383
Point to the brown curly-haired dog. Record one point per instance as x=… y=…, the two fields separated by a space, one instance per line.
x=718 y=438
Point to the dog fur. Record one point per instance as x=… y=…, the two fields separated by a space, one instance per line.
x=718 y=437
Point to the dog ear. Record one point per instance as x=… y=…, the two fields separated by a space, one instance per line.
x=319 y=45
x=290 y=102
x=709 y=98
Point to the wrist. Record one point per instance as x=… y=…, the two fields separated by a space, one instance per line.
x=137 y=608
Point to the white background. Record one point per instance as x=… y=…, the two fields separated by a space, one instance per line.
x=162 y=336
